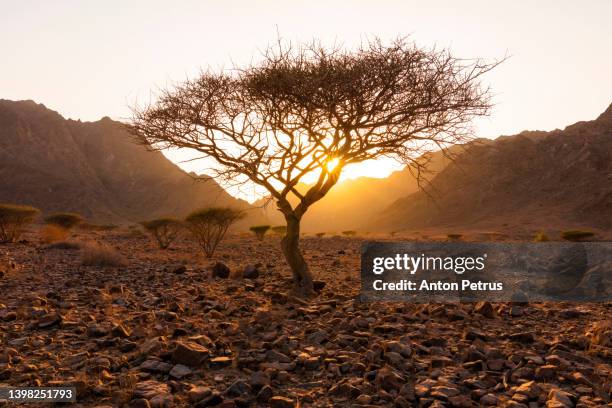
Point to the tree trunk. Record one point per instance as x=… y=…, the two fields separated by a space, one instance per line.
x=290 y=245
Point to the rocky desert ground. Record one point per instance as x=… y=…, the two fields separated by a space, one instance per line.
x=161 y=331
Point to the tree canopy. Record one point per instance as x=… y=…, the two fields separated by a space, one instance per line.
x=313 y=109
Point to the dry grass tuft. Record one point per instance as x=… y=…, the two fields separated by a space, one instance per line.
x=96 y=254
x=53 y=233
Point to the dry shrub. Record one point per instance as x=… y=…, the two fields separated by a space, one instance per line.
x=53 y=233
x=164 y=230
x=209 y=225
x=96 y=254
x=13 y=219
x=259 y=231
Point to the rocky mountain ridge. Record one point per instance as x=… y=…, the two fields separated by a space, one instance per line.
x=93 y=168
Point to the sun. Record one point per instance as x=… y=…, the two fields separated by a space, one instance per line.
x=331 y=164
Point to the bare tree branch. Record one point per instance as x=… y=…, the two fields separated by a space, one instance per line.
x=302 y=108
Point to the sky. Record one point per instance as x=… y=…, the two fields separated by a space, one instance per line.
x=89 y=59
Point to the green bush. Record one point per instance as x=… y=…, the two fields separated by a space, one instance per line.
x=576 y=235
x=259 y=231
x=208 y=226
x=279 y=229
x=65 y=220
x=349 y=233
x=164 y=230
x=13 y=218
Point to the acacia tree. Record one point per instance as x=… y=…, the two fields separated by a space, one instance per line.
x=312 y=109
x=13 y=218
x=209 y=225
x=164 y=230
x=260 y=231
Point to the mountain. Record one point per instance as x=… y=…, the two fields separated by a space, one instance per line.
x=561 y=178
x=534 y=179
x=92 y=168
x=350 y=203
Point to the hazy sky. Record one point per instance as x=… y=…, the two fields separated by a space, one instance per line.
x=89 y=59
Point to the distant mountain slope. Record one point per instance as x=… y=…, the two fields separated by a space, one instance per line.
x=351 y=203
x=92 y=168
x=561 y=178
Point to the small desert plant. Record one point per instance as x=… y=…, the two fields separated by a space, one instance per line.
x=320 y=234
x=13 y=218
x=349 y=233
x=454 y=237
x=259 y=231
x=64 y=220
x=164 y=230
x=279 y=229
x=541 y=237
x=576 y=235
x=208 y=226
x=96 y=254
x=53 y=233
